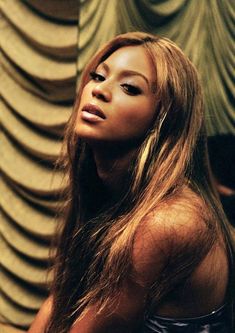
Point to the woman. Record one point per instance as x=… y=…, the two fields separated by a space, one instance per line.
x=145 y=246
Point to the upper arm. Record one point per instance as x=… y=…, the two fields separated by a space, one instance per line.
x=41 y=319
x=169 y=237
x=130 y=303
x=157 y=239
x=124 y=318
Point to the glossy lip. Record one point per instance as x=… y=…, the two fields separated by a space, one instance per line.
x=94 y=109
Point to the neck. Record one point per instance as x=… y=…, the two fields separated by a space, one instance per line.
x=112 y=168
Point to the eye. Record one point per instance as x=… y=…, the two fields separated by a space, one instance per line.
x=130 y=89
x=96 y=77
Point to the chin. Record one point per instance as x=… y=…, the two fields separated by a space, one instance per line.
x=84 y=131
x=87 y=136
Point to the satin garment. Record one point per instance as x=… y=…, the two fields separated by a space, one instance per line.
x=218 y=321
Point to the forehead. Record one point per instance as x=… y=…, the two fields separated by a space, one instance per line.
x=134 y=58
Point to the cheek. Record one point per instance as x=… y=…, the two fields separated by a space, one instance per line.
x=135 y=120
x=85 y=94
x=139 y=114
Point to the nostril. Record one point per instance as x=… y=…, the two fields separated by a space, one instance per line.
x=99 y=95
x=103 y=97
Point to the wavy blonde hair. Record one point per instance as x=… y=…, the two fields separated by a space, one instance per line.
x=95 y=245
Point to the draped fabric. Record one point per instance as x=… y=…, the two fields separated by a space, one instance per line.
x=38 y=84
x=45 y=46
x=203 y=29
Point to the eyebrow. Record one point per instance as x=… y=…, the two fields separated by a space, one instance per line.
x=126 y=72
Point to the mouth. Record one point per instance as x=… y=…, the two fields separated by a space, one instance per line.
x=94 y=110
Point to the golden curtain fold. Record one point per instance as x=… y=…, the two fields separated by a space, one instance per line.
x=38 y=84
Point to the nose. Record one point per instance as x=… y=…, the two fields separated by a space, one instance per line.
x=101 y=91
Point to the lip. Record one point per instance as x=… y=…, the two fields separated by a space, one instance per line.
x=93 y=109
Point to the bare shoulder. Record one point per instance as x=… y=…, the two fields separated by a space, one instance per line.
x=184 y=213
x=178 y=226
x=180 y=216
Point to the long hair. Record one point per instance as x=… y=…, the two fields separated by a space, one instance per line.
x=96 y=240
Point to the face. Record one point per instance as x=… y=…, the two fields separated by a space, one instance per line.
x=118 y=104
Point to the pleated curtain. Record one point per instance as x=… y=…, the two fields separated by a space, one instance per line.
x=45 y=46
x=39 y=41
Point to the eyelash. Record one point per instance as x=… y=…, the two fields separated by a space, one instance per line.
x=96 y=77
x=128 y=88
